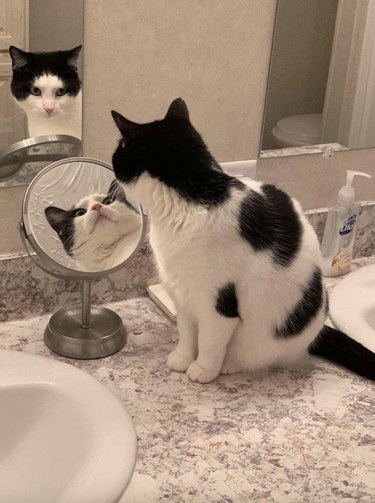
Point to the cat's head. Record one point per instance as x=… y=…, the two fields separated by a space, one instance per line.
x=168 y=150
x=90 y=229
x=45 y=83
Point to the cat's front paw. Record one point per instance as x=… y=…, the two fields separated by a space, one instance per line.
x=199 y=374
x=178 y=362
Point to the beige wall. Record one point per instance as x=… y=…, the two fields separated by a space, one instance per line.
x=141 y=54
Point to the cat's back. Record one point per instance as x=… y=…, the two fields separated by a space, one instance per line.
x=259 y=230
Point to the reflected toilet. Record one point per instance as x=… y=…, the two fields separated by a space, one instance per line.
x=297 y=130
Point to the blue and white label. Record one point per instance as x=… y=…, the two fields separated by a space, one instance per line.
x=348 y=226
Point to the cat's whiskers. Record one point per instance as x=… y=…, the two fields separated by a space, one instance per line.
x=16 y=114
x=66 y=112
x=75 y=248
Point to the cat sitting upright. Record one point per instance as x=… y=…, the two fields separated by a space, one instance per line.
x=47 y=87
x=241 y=262
x=100 y=231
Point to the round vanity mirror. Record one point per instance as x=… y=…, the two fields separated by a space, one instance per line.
x=82 y=226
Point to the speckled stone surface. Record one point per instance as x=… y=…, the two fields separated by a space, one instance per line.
x=26 y=290
x=302 y=435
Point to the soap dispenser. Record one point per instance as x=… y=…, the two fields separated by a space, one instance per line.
x=339 y=232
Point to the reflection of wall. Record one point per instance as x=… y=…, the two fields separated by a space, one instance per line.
x=213 y=53
x=55 y=24
x=300 y=62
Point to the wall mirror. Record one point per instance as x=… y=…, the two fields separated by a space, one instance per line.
x=321 y=89
x=40 y=85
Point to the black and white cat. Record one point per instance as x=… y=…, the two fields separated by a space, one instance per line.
x=100 y=231
x=241 y=262
x=47 y=87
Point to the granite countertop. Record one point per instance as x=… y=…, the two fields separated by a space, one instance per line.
x=291 y=436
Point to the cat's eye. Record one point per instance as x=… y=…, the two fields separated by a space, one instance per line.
x=107 y=200
x=60 y=92
x=80 y=212
x=35 y=91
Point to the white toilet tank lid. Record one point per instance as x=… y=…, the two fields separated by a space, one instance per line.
x=304 y=127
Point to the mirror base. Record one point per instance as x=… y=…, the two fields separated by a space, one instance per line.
x=65 y=336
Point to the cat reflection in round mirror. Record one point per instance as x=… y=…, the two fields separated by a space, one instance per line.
x=46 y=85
x=99 y=231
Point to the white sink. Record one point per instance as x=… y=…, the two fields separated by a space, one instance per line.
x=64 y=437
x=352 y=306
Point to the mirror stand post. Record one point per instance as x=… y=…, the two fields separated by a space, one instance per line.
x=85 y=332
x=86 y=303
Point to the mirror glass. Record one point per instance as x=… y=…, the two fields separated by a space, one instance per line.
x=40 y=85
x=77 y=216
x=321 y=92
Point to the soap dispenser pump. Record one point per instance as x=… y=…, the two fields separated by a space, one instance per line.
x=339 y=232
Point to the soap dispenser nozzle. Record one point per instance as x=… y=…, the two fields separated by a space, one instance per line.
x=346 y=193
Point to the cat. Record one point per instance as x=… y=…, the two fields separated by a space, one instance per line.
x=47 y=87
x=100 y=231
x=240 y=261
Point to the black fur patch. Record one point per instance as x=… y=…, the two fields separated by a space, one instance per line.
x=305 y=310
x=172 y=151
x=269 y=221
x=59 y=63
x=62 y=221
x=337 y=347
x=226 y=302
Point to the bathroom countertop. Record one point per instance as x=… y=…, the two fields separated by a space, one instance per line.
x=297 y=435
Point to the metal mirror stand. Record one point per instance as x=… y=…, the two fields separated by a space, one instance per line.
x=85 y=332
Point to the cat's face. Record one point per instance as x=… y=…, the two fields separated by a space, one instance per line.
x=169 y=150
x=45 y=83
x=92 y=227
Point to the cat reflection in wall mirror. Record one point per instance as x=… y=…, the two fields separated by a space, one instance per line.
x=41 y=86
x=46 y=85
x=99 y=230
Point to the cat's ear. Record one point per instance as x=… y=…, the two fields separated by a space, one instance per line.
x=72 y=56
x=19 y=58
x=127 y=128
x=178 y=110
x=56 y=217
x=115 y=191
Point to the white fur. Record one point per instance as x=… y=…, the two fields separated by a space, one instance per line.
x=198 y=251
x=66 y=117
x=104 y=239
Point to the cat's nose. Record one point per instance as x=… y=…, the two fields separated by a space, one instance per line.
x=48 y=110
x=96 y=206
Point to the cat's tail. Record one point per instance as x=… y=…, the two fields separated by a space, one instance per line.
x=333 y=345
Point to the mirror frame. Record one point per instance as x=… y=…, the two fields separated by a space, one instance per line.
x=53 y=267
